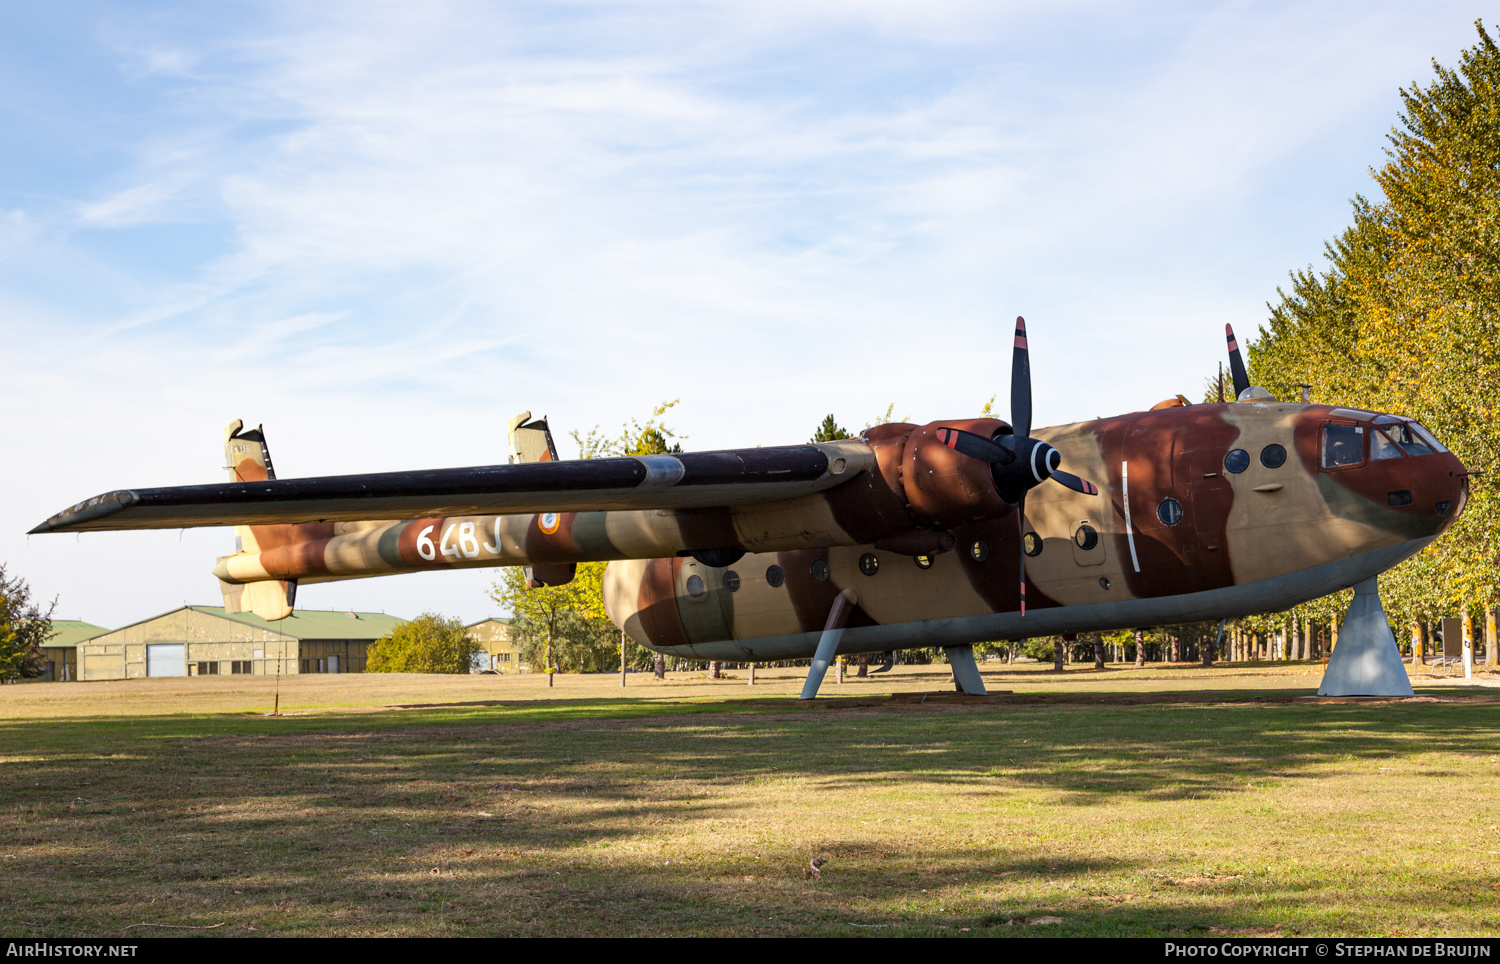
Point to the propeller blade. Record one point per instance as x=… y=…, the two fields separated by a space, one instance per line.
x=1021 y=526
x=1020 y=383
x=974 y=446
x=1074 y=482
x=1236 y=364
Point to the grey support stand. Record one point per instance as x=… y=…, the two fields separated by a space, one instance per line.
x=828 y=644
x=965 y=670
x=1366 y=661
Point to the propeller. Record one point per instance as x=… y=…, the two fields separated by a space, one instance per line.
x=1018 y=462
x=1236 y=364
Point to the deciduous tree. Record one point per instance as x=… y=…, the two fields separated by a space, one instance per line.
x=24 y=628
x=428 y=644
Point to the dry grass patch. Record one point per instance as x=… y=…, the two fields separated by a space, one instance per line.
x=1116 y=804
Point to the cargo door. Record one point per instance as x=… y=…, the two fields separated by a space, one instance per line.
x=1163 y=536
x=703 y=602
x=166 y=659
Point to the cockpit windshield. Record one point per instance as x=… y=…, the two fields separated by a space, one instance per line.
x=1405 y=436
x=1391 y=437
x=1427 y=437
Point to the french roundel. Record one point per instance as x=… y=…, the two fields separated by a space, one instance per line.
x=549 y=522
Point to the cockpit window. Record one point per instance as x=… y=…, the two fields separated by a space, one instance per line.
x=1427 y=437
x=1343 y=445
x=1411 y=443
x=1381 y=446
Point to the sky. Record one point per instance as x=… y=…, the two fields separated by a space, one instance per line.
x=382 y=229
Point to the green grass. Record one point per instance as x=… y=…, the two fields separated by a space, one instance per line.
x=1170 y=801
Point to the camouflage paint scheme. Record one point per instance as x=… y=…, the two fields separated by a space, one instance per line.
x=1266 y=538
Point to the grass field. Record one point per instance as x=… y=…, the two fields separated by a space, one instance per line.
x=1174 y=800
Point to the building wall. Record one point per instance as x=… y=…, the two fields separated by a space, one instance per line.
x=501 y=652
x=332 y=655
x=63 y=662
x=211 y=643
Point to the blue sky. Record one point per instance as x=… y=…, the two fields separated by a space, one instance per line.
x=383 y=229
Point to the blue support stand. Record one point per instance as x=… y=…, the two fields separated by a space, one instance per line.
x=828 y=643
x=965 y=670
x=1366 y=661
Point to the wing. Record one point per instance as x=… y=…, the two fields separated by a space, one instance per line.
x=690 y=480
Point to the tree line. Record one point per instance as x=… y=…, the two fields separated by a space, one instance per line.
x=1403 y=318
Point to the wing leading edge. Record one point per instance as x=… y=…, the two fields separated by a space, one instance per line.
x=690 y=480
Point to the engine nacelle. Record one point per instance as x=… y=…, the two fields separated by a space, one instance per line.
x=946 y=489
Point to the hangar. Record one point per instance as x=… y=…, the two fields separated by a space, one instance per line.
x=60 y=651
x=207 y=641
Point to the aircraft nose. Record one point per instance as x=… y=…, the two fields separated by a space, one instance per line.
x=1432 y=489
x=1391 y=476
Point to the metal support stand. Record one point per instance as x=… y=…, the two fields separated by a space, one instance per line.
x=1365 y=662
x=833 y=631
x=965 y=670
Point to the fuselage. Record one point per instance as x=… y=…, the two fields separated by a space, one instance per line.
x=1203 y=511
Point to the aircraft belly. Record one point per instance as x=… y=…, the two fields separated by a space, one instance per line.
x=1268 y=595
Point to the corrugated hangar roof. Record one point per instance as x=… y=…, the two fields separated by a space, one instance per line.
x=316 y=623
x=67 y=633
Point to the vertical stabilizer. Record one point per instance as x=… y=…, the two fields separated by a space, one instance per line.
x=531 y=441
x=248 y=459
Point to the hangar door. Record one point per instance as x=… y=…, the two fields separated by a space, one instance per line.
x=166 y=659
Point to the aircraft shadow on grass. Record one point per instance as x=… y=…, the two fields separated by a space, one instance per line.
x=274 y=807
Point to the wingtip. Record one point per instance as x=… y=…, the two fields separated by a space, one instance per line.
x=75 y=519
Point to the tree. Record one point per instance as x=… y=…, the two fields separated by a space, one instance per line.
x=427 y=644
x=565 y=628
x=829 y=430
x=559 y=627
x=24 y=628
x=1406 y=318
x=651 y=438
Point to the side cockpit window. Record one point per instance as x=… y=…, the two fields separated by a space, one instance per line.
x=1343 y=445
